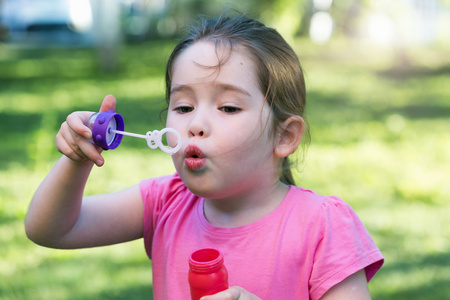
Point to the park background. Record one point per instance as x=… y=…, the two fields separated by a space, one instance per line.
x=378 y=89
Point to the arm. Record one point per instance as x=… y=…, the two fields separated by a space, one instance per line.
x=60 y=217
x=353 y=287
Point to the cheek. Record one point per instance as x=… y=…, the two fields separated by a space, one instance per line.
x=235 y=139
x=172 y=139
x=174 y=122
x=246 y=144
x=170 y=120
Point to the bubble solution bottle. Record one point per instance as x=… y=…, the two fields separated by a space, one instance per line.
x=207 y=273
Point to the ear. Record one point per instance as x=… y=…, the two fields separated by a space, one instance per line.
x=289 y=135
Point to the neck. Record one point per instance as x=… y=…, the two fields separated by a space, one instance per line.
x=246 y=209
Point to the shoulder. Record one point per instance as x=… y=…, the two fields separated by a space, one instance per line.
x=339 y=240
x=330 y=215
x=320 y=215
x=311 y=202
x=167 y=180
x=162 y=195
x=162 y=187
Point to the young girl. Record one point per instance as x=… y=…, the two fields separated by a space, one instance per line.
x=236 y=94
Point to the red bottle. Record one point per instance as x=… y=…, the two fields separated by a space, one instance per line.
x=207 y=273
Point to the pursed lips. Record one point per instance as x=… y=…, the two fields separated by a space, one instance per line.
x=194 y=158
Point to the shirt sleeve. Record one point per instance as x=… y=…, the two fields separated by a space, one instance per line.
x=344 y=247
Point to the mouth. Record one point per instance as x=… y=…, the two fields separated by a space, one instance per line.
x=194 y=158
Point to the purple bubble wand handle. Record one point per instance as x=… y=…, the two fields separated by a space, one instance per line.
x=101 y=124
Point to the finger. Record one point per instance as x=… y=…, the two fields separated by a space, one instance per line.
x=90 y=151
x=233 y=293
x=65 y=149
x=78 y=148
x=71 y=138
x=109 y=103
x=77 y=143
x=77 y=122
x=84 y=147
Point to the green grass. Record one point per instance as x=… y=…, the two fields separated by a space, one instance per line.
x=380 y=140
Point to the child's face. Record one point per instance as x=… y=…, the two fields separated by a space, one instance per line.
x=227 y=149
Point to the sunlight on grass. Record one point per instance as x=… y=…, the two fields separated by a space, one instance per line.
x=84 y=274
x=84 y=92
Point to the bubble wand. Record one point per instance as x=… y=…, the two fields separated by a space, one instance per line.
x=108 y=129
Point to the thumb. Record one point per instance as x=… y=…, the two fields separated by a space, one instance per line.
x=109 y=103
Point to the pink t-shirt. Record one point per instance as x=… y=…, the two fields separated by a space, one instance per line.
x=300 y=250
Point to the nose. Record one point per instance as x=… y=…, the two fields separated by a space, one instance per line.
x=199 y=125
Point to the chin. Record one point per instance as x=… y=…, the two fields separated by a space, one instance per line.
x=203 y=190
x=202 y=184
x=195 y=182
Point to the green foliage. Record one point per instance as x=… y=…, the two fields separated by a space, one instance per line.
x=380 y=140
x=284 y=15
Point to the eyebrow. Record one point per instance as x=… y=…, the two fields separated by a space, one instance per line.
x=217 y=86
x=180 y=88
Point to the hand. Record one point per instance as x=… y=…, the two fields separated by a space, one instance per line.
x=72 y=140
x=233 y=293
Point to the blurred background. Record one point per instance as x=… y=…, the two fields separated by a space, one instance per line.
x=378 y=92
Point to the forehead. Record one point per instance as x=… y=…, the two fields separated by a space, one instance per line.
x=205 y=62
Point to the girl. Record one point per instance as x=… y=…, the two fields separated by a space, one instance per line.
x=236 y=94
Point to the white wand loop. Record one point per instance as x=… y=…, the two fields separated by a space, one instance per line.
x=154 y=139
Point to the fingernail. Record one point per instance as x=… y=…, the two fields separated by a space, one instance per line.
x=99 y=162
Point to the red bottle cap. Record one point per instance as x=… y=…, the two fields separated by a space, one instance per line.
x=206 y=260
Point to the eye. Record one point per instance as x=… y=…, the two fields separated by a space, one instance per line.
x=230 y=109
x=183 y=109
